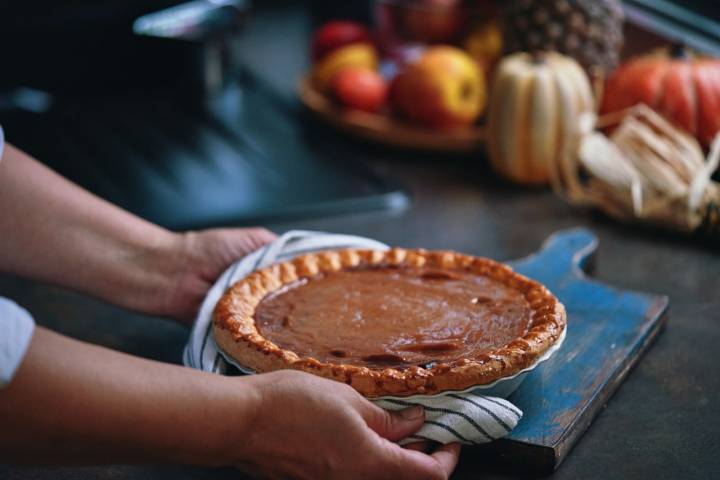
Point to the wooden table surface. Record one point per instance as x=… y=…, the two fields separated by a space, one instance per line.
x=662 y=422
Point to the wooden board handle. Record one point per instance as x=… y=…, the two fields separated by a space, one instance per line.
x=564 y=253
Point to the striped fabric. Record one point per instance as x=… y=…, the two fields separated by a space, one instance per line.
x=467 y=417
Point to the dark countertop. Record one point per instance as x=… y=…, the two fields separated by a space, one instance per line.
x=660 y=424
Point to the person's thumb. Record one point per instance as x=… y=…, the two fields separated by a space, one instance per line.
x=395 y=425
x=247 y=240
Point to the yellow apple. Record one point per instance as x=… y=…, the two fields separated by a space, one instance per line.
x=361 y=55
x=484 y=44
x=445 y=87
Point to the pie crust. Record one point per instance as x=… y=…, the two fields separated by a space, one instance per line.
x=237 y=334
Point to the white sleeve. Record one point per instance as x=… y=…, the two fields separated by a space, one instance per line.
x=16 y=330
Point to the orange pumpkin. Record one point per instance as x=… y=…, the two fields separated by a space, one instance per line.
x=683 y=88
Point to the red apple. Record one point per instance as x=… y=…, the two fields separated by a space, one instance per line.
x=445 y=88
x=433 y=21
x=360 y=88
x=336 y=34
x=353 y=55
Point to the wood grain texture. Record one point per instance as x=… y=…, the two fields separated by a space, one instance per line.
x=608 y=330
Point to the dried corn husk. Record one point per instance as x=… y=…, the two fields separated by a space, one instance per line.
x=646 y=170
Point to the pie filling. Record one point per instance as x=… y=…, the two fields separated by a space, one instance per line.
x=393 y=316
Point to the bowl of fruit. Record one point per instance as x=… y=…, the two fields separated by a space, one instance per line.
x=431 y=97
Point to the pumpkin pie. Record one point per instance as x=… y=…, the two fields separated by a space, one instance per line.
x=396 y=322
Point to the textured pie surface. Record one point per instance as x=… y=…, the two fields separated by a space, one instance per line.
x=400 y=322
x=393 y=317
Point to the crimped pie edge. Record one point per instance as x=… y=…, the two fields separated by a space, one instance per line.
x=236 y=334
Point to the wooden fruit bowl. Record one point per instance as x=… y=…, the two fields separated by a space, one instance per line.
x=385 y=130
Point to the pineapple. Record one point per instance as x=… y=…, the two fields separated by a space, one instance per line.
x=590 y=31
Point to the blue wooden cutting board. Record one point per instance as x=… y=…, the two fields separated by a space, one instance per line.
x=608 y=330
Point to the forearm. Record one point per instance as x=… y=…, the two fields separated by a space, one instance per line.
x=72 y=402
x=55 y=231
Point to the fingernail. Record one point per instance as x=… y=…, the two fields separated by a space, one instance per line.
x=412 y=413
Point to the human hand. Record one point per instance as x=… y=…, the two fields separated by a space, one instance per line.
x=198 y=259
x=310 y=427
x=56 y=232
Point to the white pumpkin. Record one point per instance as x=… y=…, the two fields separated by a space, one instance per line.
x=537 y=101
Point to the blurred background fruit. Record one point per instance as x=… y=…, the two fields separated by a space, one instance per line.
x=484 y=44
x=675 y=83
x=360 y=89
x=353 y=55
x=536 y=104
x=336 y=34
x=443 y=88
x=406 y=24
x=590 y=31
x=432 y=21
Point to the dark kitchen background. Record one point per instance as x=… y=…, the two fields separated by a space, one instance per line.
x=189 y=117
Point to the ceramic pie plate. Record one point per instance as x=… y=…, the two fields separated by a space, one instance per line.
x=502 y=387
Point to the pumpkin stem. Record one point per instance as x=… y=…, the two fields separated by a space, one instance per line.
x=679 y=50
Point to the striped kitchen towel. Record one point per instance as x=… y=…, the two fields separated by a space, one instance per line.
x=467 y=417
